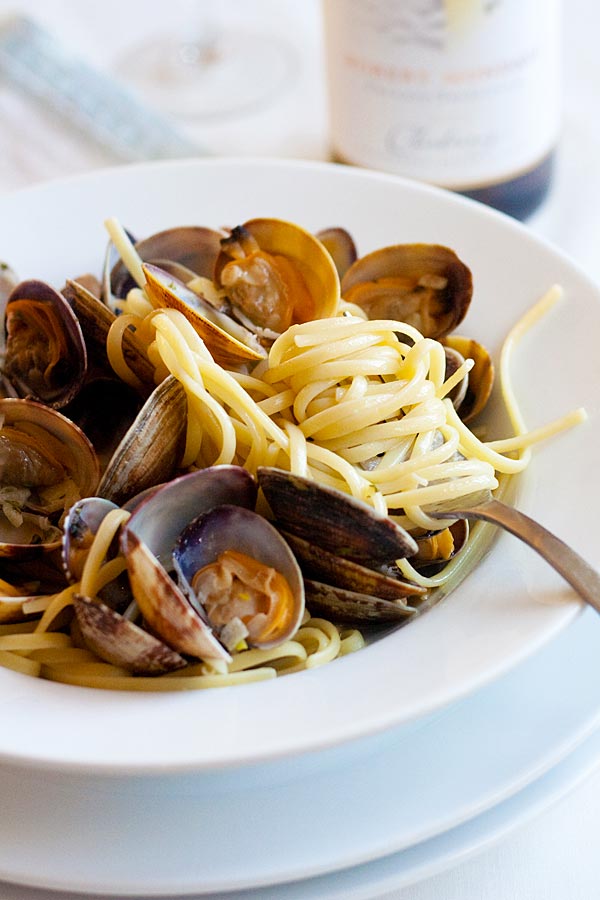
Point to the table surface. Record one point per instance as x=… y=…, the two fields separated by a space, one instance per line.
x=554 y=857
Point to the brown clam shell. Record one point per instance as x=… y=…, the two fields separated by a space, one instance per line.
x=425 y=285
x=352 y=607
x=321 y=565
x=118 y=641
x=168 y=291
x=340 y=245
x=164 y=607
x=481 y=376
x=231 y=527
x=192 y=246
x=44 y=428
x=312 y=260
x=152 y=448
x=96 y=319
x=341 y=524
x=46 y=356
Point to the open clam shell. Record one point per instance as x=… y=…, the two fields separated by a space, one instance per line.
x=321 y=565
x=439 y=547
x=147 y=542
x=46 y=357
x=270 y=609
x=120 y=642
x=228 y=341
x=352 y=607
x=96 y=319
x=340 y=523
x=44 y=459
x=425 y=285
x=192 y=246
x=80 y=528
x=481 y=376
x=340 y=245
x=165 y=609
x=160 y=518
x=277 y=274
x=152 y=448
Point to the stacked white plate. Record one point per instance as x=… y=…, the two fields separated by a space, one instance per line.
x=393 y=761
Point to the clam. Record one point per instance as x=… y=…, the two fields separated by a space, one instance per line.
x=338 y=522
x=238 y=571
x=152 y=448
x=45 y=357
x=46 y=464
x=164 y=607
x=148 y=541
x=80 y=527
x=319 y=564
x=425 y=285
x=341 y=247
x=228 y=341
x=440 y=546
x=163 y=513
x=95 y=320
x=349 y=591
x=121 y=642
x=192 y=248
x=342 y=545
x=353 y=607
x=481 y=376
x=454 y=360
x=275 y=275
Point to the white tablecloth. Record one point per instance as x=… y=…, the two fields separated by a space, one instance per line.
x=556 y=856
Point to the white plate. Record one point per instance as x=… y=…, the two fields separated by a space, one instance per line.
x=275 y=823
x=408 y=867
x=411 y=866
x=506 y=609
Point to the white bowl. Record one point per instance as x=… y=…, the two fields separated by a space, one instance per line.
x=509 y=605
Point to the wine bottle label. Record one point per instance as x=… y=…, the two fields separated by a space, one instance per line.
x=461 y=93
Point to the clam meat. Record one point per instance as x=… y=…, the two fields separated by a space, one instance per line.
x=46 y=464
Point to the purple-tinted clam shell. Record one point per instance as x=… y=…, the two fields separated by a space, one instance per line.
x=234 y=528
x=159 y=520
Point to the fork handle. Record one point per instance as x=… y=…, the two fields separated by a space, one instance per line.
x=582 y=577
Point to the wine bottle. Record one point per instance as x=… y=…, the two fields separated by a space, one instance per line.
x=464 y=94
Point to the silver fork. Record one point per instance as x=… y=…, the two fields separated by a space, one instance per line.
x=582 y=577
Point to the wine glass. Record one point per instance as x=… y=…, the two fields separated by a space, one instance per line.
x=213 y=64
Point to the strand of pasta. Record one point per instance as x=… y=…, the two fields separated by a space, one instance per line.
x=97 y=552
x=536 y=435
x=115 y=350
x=546 y=302
x=113 y=679
x=126 y=250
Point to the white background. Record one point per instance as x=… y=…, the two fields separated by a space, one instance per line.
x=556 y=856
